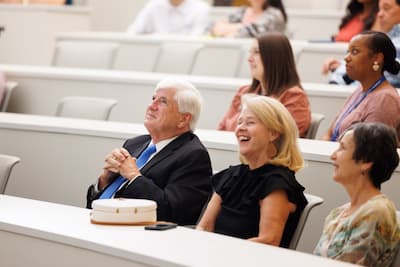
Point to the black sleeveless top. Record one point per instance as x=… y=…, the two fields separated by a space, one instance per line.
x=241 y=189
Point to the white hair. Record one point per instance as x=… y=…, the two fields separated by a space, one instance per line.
x=187 y=97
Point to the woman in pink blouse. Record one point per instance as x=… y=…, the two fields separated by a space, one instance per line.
x=274 y=74
x=375 y=100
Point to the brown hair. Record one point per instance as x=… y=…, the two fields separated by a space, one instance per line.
x=280 y=71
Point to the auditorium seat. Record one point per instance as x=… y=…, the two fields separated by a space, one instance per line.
x=177 y=57
x=7 y=163
x=313 y=201
x=217 y=60
x=85 y=54
x=10 y=86
x=316 y=120
x=85 y=107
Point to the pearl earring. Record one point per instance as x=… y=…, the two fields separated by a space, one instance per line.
x=375 y=66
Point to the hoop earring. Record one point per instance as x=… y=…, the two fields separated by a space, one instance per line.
x=375 y=66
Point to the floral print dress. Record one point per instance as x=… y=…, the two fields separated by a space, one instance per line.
x=370 y=236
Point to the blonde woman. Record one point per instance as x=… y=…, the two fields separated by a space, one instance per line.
x=260 y=199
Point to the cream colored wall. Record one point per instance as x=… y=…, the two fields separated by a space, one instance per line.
x=29 y=32
x=114 y=15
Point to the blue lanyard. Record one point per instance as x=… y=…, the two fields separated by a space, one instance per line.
x=353 y=106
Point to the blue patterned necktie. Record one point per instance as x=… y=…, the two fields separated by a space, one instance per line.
x=143 y=158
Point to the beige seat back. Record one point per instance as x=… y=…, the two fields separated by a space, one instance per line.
x=316 y=120
x=313 y=201
x=177 y=57
x=85 y=107
x=85 y=54
x=10 y=86
x=217 y=60
x=7 y=163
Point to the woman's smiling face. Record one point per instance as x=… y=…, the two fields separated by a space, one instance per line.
x=253 y=137
x=255 y=62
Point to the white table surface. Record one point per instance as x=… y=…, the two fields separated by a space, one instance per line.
x=177 y=247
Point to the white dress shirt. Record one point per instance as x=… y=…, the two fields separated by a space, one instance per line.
x=191 y=17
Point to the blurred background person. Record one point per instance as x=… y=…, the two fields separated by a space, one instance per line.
x=375 y=100
x=189 y=17
x=389 y=20
x=360 y=16
x=364 y=231
x=274 y=74
x=258 y=17
x=260 y=199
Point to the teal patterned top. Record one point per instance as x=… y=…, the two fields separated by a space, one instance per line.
x=370 y=236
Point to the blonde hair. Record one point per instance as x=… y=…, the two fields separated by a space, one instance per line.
x=277 y=118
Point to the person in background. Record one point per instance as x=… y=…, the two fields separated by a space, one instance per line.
x=274 y=74
x=360 y=16
x=389 y=18
x=188 y=17
x=364 y=231
x=257 y=18
x=375 y=100
x=389 y=22
x=170 y=165
x=260 y=199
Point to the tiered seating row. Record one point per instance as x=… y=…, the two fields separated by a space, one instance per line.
x=40 y=89
x=183 y=55
x=60 y=157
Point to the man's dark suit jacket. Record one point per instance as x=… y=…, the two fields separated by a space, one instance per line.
x=177 y=178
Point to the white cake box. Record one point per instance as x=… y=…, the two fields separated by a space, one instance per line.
x=124 y=211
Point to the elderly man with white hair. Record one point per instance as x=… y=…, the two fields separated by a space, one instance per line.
x=169 y=165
